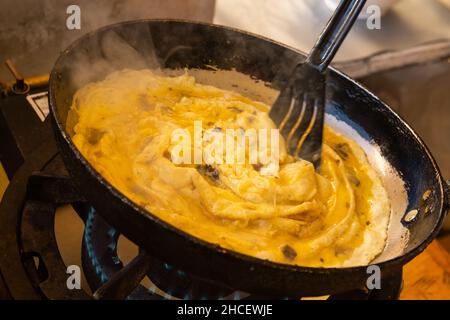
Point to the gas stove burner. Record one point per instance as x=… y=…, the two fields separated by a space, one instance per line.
x=101 y=261
x=31 y=265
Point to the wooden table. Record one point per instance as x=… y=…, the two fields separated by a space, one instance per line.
x=427 y=277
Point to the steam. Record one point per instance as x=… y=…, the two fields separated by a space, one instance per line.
x=111 y=52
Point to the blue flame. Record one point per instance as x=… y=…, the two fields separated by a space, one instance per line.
x=167 y=266
x=112 y=233
x=90 y=250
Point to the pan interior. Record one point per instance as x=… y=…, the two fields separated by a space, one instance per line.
x=398 y=233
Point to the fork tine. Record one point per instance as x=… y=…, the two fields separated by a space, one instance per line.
x=307 y=131
x=311 y=148
x=291 y=122
x=298 y=122
x=288 y=115
x=279 y=112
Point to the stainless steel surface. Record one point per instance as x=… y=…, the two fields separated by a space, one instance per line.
x=298 y=23
x=390 y=60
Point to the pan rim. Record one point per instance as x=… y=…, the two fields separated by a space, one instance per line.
x=198 y=242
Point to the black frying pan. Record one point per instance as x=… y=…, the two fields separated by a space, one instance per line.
x=405 y=165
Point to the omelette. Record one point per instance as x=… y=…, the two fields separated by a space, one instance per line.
x=285 y=212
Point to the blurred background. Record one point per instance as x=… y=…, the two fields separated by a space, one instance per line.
x=32 y=33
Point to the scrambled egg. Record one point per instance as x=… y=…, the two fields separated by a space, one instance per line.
x=334 y=218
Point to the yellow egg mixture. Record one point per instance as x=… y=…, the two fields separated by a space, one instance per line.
x=337 y=217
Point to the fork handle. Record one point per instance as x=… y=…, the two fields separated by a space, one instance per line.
x=334 y=33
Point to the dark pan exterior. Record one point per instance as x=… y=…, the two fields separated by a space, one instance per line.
x=201 y=45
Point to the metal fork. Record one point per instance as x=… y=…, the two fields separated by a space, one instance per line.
x=299 y=109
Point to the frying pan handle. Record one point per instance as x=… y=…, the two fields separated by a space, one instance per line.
x=334 y=33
